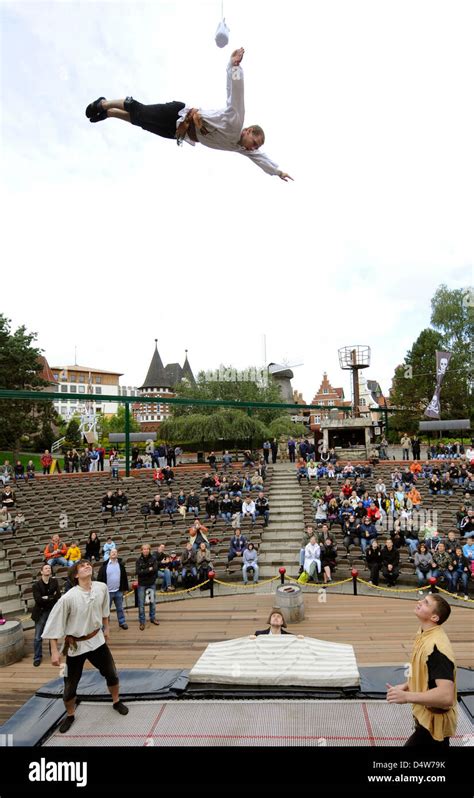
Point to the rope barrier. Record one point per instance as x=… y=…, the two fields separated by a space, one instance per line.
x=318 y=584
x=174 y=592
x=453 y=595
x=251 y=584
x=394 y=589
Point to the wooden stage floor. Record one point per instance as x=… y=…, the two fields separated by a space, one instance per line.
x=380 y=629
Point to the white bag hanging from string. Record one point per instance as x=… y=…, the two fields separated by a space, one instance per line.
x=222 y=32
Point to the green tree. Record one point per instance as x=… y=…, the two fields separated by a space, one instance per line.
x=209 y=430
x=20 y=369
x=72 y=435
x=229 y=391
x=116 y=423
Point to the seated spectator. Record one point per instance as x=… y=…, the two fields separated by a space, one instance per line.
x=257 y=482
x=249 y=459
x=414 y=496
x=236 y=487
x=250 y=558
x=30 y=469
x=422 y=561
x=212 y=508
x=181 y=502
x=6 y=473
x=224 y=486
x=332 y=512
x=468 y=550
x=198 y=535
x=8 y=498
x=121 y=501
x=307 y=535
x=346 y=490
x=461 y=571
x=322 y=470
x=6 y=520
x=328 y=559
x=390 y=563
x=158 y=477
x=380 y=487
x=434 y=485
x=207 y=483
x=73 y=554
x=351 y=532
x=170 y=506
x=107 y=548
x=193 y=504
x=157 y=505
x=466 y=527
x=46 y=461
x=19 y=470
x=312 y=470
x=368 y=532
x=248 y=509
x=164 y=571
x=188 y=565
x=225 y=508
x=452 y=542
x=226 y=460
x=432 y=540
x=328 y=495
x=203 y=562
x=109 y=503
x=416 y=468
x=236 y=511
x=302 y=471
x=92 y=548
x=262 y=507
x=312 y=558
x=440 y=562
x=321 y=513
x=408 y=479
x=331 y=474
x=55 y=552
x=396 y=478
x=168 y=475
x=238 y=543
x=447 y=487
x=373 y=557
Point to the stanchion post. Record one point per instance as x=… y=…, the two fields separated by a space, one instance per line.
x=211 y=576
x=354 y=574
x=433 y=580
x=282 y=572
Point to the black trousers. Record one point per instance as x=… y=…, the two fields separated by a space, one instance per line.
x=159 y=119
x=421 y=736
x=100 y=658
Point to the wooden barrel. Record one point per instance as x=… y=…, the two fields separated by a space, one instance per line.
x=12 y=643
x=289 y=599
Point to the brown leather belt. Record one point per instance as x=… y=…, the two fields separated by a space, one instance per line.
x=188 y=126
x=71 y=642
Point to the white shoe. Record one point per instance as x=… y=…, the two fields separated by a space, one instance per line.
x=466 y=597
x=420 y=592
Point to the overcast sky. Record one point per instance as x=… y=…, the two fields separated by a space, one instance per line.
x=113 y=237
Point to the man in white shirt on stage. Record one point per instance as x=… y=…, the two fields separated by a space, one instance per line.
x=81 y=617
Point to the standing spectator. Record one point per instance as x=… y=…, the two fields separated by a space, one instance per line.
x=101 y=455
x=45 y=593
x=114 y=575
x=146 y=570
x=266 y=451
x=226 y=460
x=171 y=457
x=92 y=548
x=405 y=444
x=390 y=563
x=274 y=449
x=250 y=557
x=212 y=460
x=107 y=548
x=291 y=450
x=461 y=571
x=373 y=556
x=161 y=455
x=238 y=543
x=46 y=461
x=415 y=447
x=93 y=459
x=55 y=552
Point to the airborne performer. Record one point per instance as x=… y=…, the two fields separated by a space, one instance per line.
x=220 y=130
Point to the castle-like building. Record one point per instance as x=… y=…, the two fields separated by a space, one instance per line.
x=160 y=383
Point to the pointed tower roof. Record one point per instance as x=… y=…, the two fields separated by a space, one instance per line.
x=187 y=372
x=156 y=376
